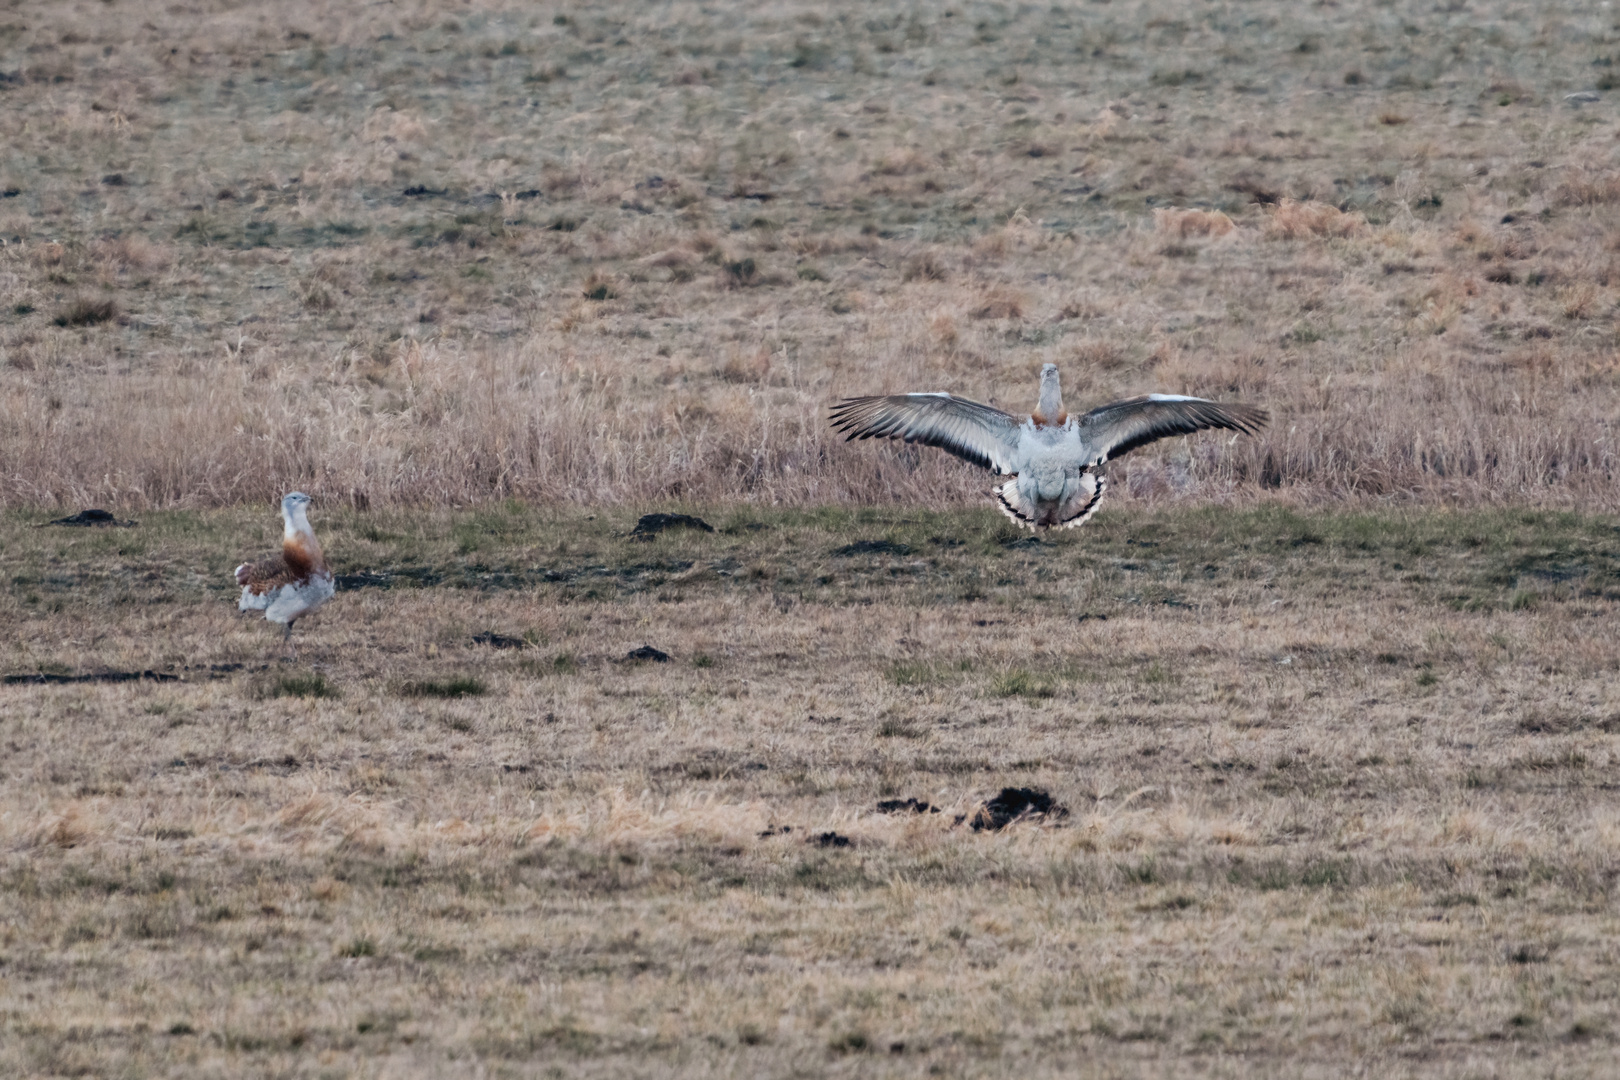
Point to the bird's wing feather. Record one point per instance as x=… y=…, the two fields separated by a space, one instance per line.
x=265 y=575
x=969 y=429
x=300 y=599
x=1121 y=426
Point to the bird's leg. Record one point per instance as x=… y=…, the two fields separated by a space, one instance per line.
x=286 y=638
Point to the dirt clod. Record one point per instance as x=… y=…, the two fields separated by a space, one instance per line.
x=1015 y=803
x=97 y=677
x=652 y=524
x=88 y=518
x=831 y=839
x=901 y=806
x=874 y=547
x=498 y=641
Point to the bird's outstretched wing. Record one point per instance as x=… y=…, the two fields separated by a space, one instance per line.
x=969 y=429
x=1120 y=427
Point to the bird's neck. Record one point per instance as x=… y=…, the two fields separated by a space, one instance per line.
x=1050 y=408
x=296 y=533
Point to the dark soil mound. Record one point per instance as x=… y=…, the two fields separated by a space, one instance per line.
x=901 y=806
x=873 y=547
x=498 y=641
x=87 y=518
x=652 y=524
x=647 y=652
x=1015 y=803
x=43 y=677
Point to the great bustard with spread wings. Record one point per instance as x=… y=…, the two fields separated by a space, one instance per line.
x=1056 y=457
x=288 y=586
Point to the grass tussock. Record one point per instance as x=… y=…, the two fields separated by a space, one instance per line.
x=313 y=685
x=599 y=287
x=1292 y=220
x=1186 y=223
x=455 y=686
x=86 y=311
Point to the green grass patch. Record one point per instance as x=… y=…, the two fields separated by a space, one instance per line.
x=913 y=673
x=456 y=686
x=1479 y=560
x=1027 y=684
x=1156 y=674
x=358 y=947
x=313 y=685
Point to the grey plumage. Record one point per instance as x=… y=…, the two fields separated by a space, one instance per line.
x=1054 y=458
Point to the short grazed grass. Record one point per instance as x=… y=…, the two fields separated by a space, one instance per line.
x=1332 y=796
x=1488 y=559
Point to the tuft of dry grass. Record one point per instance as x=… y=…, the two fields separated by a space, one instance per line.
x=1001 y=303
x=598 y=286
x=86 y=311
x=1586 y=185
x=1185 y=223
x=1292 y=220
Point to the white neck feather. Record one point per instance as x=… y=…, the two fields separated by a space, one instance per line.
x=295 y=523
x=1051 y=403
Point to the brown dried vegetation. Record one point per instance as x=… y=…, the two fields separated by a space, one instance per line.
x=1185 y=223
x=364 y=283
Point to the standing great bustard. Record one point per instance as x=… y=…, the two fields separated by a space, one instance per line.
x=1056 y=457
x=288 y=586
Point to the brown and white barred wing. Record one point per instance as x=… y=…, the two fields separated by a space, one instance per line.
x=1118 y=428
x=260 y=580
x=971 y=430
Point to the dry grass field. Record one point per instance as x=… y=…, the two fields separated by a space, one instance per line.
x=1331 y=716
x=1339 y=789
x=429 y=252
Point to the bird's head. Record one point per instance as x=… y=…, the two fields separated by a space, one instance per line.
x=293 y=502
